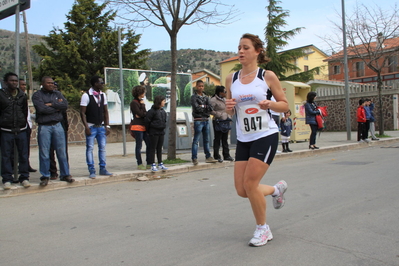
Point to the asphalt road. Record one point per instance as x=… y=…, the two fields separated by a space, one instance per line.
x=342 y=208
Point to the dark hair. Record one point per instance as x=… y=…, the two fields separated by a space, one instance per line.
x=45 y=77
x=289 y=111
x=310 y=97
x=94 y=80
x=158 y=100
x=258 y=45
x=361 y=101
x=198 y=82
x=367 y=100
x=218 y=90
x=137 y=91
x=9 y=74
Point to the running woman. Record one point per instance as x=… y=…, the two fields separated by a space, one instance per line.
x=249 y=93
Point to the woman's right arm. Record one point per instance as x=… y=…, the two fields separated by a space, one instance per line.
x=230 y=103
x=310 y=111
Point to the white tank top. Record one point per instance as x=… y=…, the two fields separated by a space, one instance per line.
x=252 y=122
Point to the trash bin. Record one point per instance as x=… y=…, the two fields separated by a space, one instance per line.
x=296 y=93
x=184 y=136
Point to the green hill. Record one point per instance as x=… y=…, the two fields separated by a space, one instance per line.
x=188 y=59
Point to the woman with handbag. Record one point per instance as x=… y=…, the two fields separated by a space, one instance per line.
x=311 y=111
x=221 y=124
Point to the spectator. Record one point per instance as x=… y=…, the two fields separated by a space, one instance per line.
x=49 y=105
x=22 y=86
x=65 y=125
x=137 y=125
x=94 y=114
x=218 y=103
x=361 y=122
x=13 y=129
x=155 y=121
x=311 y=112
x=372 y=120
x=286 y=128
x=201 y=110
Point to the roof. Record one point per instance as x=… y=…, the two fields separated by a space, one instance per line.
x=296 y=84
x=229 y=59
x=389 y=44
x=235 y=58
x=207 y=72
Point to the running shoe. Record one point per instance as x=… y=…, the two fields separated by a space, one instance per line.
x=278 y=201
x=162 y=167
x=154 y=168
x=260 y=238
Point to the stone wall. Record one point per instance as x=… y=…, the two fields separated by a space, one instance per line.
x=336 y=120
x=76 y=132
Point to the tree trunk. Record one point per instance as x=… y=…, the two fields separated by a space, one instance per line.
x=173 y=100
x=380 y=110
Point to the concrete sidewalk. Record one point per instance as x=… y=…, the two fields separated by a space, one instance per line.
x=124 y=168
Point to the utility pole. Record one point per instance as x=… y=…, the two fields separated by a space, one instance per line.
x=28 y=55
x=347 y=102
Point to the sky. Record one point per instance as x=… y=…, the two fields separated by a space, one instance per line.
x=314 y=15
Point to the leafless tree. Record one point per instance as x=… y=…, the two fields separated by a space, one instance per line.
x=172 y=15
x=370 y=32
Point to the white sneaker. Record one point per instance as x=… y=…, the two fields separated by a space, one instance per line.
x=7 y=185
x=25 y=184
x=279 y=201
x=260 y=238
x=154 y=168
x=162 y=167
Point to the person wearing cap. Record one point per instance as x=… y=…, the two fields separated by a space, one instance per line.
x=95 y=118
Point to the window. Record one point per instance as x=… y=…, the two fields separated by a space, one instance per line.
x=392 y=64
x=359 y=69
x=208 y=80
x=306 y=57
x=306 y=68
x=337 y=70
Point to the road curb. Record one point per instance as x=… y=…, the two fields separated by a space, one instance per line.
x=143 y=176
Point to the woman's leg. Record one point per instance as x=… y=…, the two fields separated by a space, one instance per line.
x=247 y=176
x=216 y=144
x=159 y=148
x=312 y=140
x=139 y=142
x=151 y=157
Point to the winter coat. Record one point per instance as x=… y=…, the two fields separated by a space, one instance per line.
x=361 y=114
x=46 y=115
x=13 y=111
x=155 y=121
x=286 y=127
x=219 y=108
x=138 y=109
x=371 y=107
x=311 y=112
x=201 y=106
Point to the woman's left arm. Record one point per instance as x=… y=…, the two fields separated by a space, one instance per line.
x=281 y=103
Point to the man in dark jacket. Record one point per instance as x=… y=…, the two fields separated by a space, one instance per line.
x=202 y=109
x=49 y=105
x=13 y=127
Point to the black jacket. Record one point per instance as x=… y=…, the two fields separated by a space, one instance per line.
x=201 y=106
x=46 y=115
x=13 y=111
x=155 y=121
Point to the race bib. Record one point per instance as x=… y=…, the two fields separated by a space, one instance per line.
x=252 y=119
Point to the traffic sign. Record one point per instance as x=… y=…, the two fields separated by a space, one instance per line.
x=8 y=7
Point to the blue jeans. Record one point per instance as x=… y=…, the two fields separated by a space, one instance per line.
x=7 y=152
x=99 y=134
x=47 y=136
x=140 y=136
x=200 y=127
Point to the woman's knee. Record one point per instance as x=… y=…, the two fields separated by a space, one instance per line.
x=242 y=193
